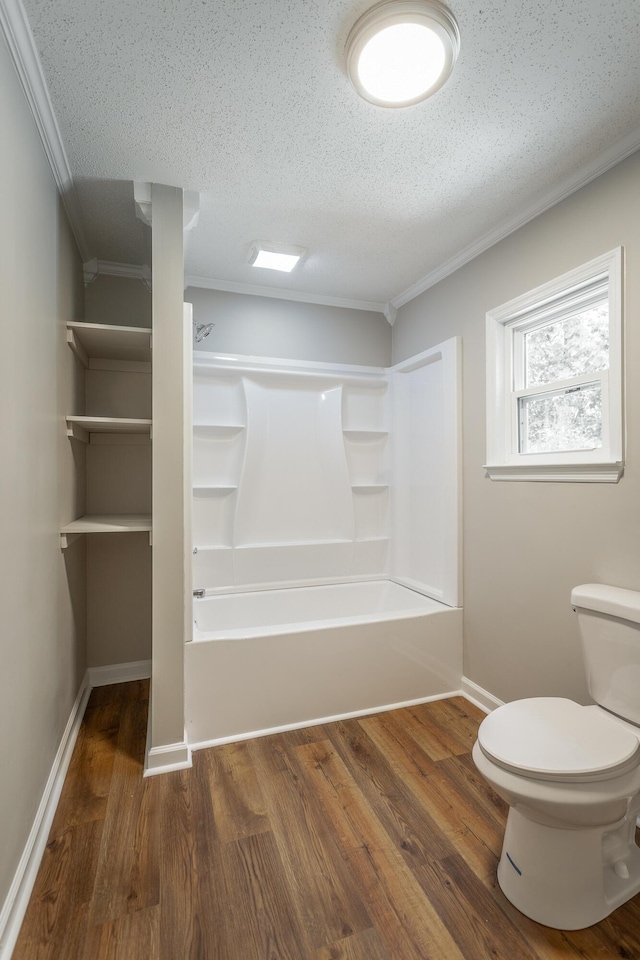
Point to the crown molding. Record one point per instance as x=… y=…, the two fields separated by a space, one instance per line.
x=231 y=286
x=615 y=153
x=17 y=33
x=391 y=313
x=108 y=268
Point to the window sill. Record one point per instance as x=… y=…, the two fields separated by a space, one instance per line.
x=558 y=472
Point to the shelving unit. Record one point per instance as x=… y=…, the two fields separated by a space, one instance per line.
x=113 y=352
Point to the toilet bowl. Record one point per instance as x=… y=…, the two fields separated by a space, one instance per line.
x=571 y=777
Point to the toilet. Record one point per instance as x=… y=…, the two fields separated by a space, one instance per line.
x=571 y=776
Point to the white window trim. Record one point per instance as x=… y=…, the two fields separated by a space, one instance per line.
x=504 y=323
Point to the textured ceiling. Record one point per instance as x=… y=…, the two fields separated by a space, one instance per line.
x=247 y=101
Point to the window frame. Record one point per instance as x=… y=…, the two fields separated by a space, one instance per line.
x=506 y=327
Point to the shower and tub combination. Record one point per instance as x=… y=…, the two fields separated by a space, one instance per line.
x=326 y=540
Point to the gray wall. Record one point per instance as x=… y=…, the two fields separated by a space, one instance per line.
x=118 y=300
x=266 y=327
x=527 y=544
x=42 y=639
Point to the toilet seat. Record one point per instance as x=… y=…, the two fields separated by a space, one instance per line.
x=552 y=738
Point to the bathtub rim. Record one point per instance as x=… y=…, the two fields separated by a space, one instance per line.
x=305 y=626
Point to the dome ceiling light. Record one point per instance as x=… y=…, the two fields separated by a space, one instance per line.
x=401 y=51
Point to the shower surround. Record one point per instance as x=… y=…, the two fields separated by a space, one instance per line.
x=305 y=475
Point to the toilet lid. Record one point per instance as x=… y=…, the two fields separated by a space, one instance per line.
x=551 y=738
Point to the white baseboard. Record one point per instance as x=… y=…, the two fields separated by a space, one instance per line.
x=479 y=696
x=168 y=757
x=15 y=905
x=119 y=673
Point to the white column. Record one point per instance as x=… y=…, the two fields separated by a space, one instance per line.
x=166 y=745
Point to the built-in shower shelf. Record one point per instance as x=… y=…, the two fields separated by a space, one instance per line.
x=212 y=547
x=277 y=544
x=105 y=523
x=372 y=539
x=217 y=431
x=104 y=341
x=369 y=487
x=324 y=378
x=215 y=490
x=81 y=427
x=365 y=436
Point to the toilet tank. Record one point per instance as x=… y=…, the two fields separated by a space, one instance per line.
x=609 y=622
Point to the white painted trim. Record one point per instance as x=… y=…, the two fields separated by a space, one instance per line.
x=615 y=153
x=504 y=324
x=479 y=696
x=254 y=290
x=165 y=759
x=109 y=268
x=119 y=673
x=22 y=47
x=559 y=472
x=367 y=712
x=17 y=900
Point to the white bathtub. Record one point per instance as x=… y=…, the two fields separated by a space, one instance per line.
x=277 y=659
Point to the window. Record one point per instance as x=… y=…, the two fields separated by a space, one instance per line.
x=554 y=379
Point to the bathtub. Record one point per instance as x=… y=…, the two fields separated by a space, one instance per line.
x=274 y=660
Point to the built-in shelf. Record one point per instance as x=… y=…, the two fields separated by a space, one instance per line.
x=369 y=487
x=217 y=431
x=80 y=427
x=372 y=540
x=328 y=378
x=211 y=547
x=214 y=490
x=365 y=436
x=99 y=523
x=277 y=544
x=109 y=342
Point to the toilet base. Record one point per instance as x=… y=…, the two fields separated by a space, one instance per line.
x=564 y=878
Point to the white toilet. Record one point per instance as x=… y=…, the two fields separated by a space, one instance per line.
x=571 y=776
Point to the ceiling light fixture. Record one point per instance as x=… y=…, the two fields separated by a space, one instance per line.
x=401 y=51
x=275 y=256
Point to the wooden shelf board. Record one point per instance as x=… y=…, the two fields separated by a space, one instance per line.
x=110 y=424
x=108 y=523
x=109 y=342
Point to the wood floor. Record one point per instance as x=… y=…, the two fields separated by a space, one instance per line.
x=370 y=839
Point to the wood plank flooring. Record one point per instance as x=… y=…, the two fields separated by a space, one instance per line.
x=370 y=839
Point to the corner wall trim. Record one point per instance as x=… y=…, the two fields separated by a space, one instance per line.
x=22 y=47
x=479 y=696
x=119 y=673
x=15 y=905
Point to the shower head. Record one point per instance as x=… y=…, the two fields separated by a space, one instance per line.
x=202 y=331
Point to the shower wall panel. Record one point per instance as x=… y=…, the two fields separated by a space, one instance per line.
x=316 y=473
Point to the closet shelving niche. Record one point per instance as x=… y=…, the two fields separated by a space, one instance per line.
x=119 y=349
